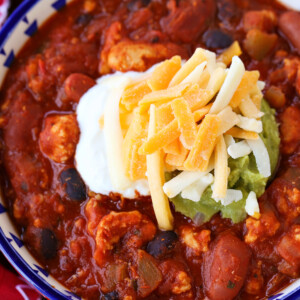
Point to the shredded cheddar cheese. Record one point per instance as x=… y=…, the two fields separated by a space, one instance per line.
x=186 y=117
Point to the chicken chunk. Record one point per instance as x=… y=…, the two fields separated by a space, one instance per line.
x=59 y=137
x=135 y=228
x=135 y=56
x=197 y=241
x=94 y=213
x=259 y=230
x=176 y=280
x=289 y=129
x=286 y=197
x=255 y=282
x=112 y=36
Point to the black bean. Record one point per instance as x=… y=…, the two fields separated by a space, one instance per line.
x=216 y=38
x=75 y=187
x=155 y=39
x=83 y=19
x=146 y=2
x=111 y=296
x=48 y=244
x=162 y=243
x=134 y=5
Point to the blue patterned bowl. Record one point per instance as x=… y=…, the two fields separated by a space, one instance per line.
x=21 y=25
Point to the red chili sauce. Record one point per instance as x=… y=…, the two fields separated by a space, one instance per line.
x=109 y=247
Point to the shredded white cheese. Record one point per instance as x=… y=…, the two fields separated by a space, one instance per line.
x=228 y=119
x=261 y=84
x=174 y=186
x=195 y=190
x=195 y=75
x=252 y=207
x=249 y=109
x=211 y=61
x=239 y=149
x=216 y=79
x=231 y=83
x=231 y=196
x=229 y=140
x=261 y=156
x=250 y=124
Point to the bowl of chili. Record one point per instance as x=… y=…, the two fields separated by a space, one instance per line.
x=51 y=56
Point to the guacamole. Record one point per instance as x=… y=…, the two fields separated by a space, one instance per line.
x=243 y=176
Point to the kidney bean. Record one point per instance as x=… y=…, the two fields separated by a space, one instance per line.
x=289 y=24
x=225 y=267
x=162 y=243
x=75 y=187
x=76 y=85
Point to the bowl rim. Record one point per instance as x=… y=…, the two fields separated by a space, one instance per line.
x=8 y=251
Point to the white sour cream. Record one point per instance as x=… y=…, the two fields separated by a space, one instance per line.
x=292 y=4
x=91 y=157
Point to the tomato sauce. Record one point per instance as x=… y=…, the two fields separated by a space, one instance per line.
x=58 y=222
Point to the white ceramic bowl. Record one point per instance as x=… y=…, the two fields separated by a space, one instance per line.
x=21 y=25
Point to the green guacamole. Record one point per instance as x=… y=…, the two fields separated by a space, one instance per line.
x=244 y=176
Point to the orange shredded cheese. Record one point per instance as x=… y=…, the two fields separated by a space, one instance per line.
x=242 y=134
x=132 y=95
x=163 y=73
x=186 y=123
x=197 y=58
x=248 y=82
x=159 y=117
x=134 y=163
x=227 y=55
x=173 y=148
x=177 y=160
x=160 y=139
x=203 y=147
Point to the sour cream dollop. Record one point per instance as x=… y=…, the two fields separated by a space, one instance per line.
x=91 y=152
x=292 y=4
